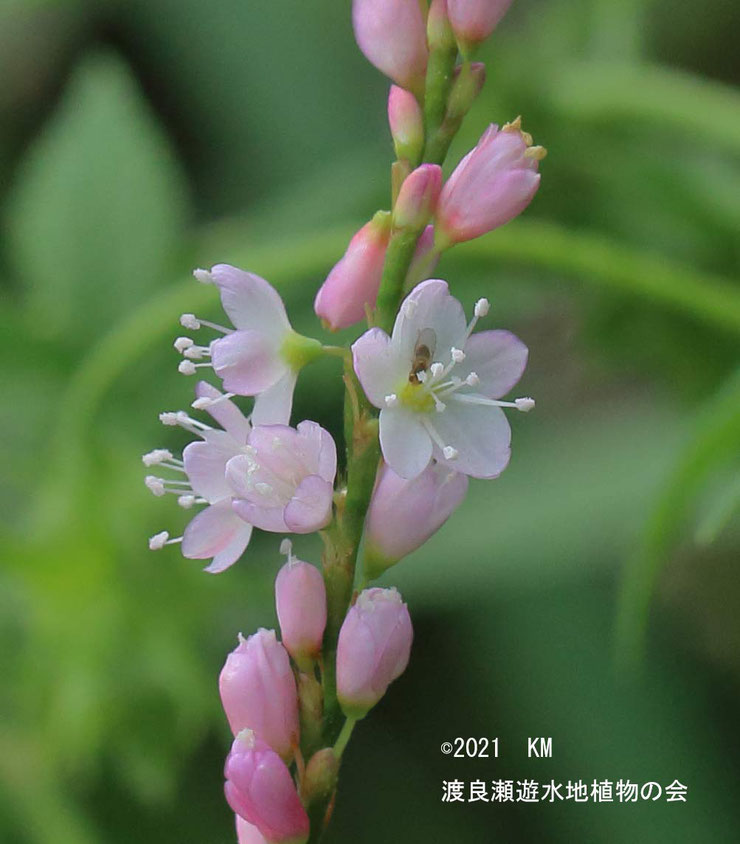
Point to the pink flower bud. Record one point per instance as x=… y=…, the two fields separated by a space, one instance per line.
x=248 y=834
x=474 y=20
x=391 y=34
x=260 y=789
x=417 y=199
x=373 y=649
x=403 y=514
x=439 y=31
x=493 y=184
x=407 y=124
x=354 y=281
x=300 y=596
x=258 y=691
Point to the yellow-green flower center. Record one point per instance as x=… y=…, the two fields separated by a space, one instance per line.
x=415 y=397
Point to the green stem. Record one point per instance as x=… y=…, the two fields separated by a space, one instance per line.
x=398 y=259
x=344 y=737
x=440 y=76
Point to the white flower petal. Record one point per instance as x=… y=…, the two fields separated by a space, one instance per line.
x=406 y=445
x=250 y=301
x=498 y=358
x=225 y=412
x=273 y=406
x=248 y=362
x=376 y=366
x=481 y=435
x=429 y=306
x=205 y=464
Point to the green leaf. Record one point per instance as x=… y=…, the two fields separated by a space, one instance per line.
x=99 y=207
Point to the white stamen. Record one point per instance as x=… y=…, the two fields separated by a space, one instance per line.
x=450 y=453
x=391 y=400
x=204 y=402
x=158 y=455
x=169 y=417
x=472 y=380
x=155 y=485
x=197 y=352
x=439 y=406
x=183 y=343
x=186 y=367
x=436 y=369
x=482 y=307
x=203 y=276
x=158 y=541
x=458 y=355
x=524 y=404
x=421 y=376
x=186 y=501
x=190 y=321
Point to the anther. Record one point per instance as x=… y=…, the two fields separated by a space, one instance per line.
x=391 y=400
x=169 y=417
x=183 y=343
x=186 y=501
x=450 y=453
x=472 y=379
x=197 y=352
x=158 y=541
x=158 y=455
x=155 y=485
x=436 y=369
x=190 y=321
x=524 y=404
x=186 y=367
x=482 y=307
x=458 y=355
x=203 y=276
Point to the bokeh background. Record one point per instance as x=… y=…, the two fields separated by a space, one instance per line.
x=590 y=594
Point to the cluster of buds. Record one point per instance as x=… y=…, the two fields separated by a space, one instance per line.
x=274 y=717
x=424 y=413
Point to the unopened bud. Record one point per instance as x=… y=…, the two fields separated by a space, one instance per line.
x=417 y=199
x=406 y=121
x=474 y=20
x=311 y=709
x=300 y=598
x=320 y=778
x=440 y=34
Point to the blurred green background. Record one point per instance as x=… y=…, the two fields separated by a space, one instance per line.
x=590 y=594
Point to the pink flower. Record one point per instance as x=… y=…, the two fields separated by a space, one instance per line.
x=373 y=649
x=258 y=692
x=392 y=35
x=300 y=597
x=263 y=355
x=260 y=789
x=248 y=834
x=217 y=532
x=284 y=479
x=417 y=199
x=474 y=20
x=406 y=122
x=403 y=514
x=438 y=387
x=352 y=285
x=493 y=184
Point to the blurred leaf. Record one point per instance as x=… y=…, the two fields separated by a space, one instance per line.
x=98 y=211
x=723 y=507
x=716 y=440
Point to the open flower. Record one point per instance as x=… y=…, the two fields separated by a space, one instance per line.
x=262 y=356
x=217 y=532
x=438 y=385
x=284 y=479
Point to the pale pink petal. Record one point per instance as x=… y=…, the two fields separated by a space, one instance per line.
x=205 y=464
x=498 y=358
x=214 y=531
x=273 y=406
x=248 y=362
x=265 y=518
x=250 y=301
x=322 y=447
x=248 y=834
x=225 y=412
x=429 y=308
x=481 y=435
x=406 y=445
x=376 y=365
x=310 y=508
x=231 y=553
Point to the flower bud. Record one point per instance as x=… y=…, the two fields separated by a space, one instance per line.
x=260 y=789
x=320 y=778
x=310 y=710
x=469 y=81
x=300 y=597
x=440 y=35
x=474 y=20
x=248 y=834
x=258 y=692
x=373 y=649
x=417 y=199
x=392 y=36
x=407 y=124
x=403 y=514
x=352 y=285
x=490 y=186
